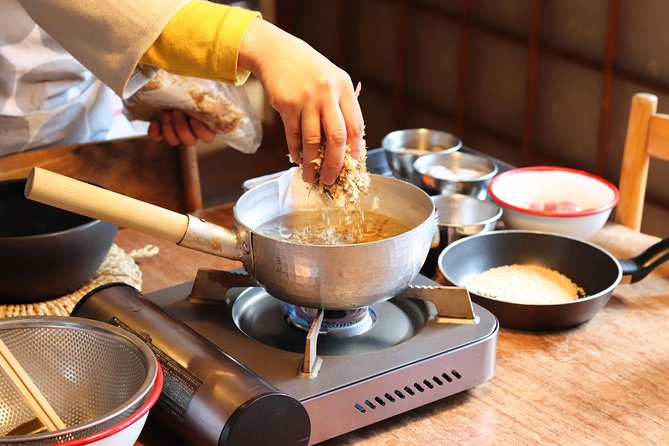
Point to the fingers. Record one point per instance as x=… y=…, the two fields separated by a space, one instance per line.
x=201 y=130
x=336 y=120
x=167 y=127
x=335 y=143
x=291 y=125
x=355 y=124
x=176 y=128
x=181 y=129
x=311 y=143
x=154 y=132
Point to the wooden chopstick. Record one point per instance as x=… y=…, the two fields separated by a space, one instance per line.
x=27 y=388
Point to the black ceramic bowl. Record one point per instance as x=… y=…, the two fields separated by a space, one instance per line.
x=46 y=252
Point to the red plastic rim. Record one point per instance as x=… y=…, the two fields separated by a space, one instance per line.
x=136 y=416
x=583 y=213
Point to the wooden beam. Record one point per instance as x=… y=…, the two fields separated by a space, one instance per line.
x=607 y=87
x=532 y=80
x=400 y=69
x=463 y=68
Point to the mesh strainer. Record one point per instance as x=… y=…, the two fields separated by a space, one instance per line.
x=92 y=374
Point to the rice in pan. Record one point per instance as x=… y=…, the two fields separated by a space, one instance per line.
x=525 y=284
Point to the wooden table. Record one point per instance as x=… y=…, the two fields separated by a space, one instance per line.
x=604 y=382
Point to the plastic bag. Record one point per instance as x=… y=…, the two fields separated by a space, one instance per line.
x=225 y=108
x=296 y=195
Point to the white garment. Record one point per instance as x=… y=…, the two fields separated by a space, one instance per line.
x=108 y=36
x=46 y=97
x=49 y=98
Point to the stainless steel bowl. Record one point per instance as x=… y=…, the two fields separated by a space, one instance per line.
x=403 y=147
x=459 y=216
x=454 y=173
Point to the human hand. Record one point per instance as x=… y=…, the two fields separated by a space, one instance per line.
x=178 y=128
x=315 y=98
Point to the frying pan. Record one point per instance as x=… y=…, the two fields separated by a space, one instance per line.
x=318 y=276
x=588 y=265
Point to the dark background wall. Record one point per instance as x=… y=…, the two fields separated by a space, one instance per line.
x=526 y=81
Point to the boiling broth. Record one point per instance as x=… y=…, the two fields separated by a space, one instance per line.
x=332 y=227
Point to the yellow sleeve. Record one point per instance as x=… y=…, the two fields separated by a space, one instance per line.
x=203 y=40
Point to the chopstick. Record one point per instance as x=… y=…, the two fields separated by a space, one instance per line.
x=27 y=388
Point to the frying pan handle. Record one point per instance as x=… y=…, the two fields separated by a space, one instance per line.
x=95 y=202
x=640 y=266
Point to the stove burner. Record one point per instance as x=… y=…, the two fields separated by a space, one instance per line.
x=263 y=318
x=336 y=323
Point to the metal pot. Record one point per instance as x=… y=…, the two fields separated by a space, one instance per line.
x=331 y=277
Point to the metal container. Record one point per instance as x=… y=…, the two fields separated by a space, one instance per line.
x=317 y=276
x=459 y=216
x=91 y=374
x=454 y=173
x=403 y=147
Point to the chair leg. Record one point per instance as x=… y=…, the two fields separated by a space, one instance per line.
x=634 y=170
x=190 y=173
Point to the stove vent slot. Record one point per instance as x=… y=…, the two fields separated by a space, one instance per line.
x=409 y=391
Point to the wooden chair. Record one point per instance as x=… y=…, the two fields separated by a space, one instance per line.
x=153 y=172
x=647 y=137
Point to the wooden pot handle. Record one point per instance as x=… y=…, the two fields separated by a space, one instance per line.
x=82 y=198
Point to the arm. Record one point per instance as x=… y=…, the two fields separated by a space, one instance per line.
x=314 y=98
x=108 y=37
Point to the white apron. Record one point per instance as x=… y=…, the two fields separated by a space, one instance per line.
x=47 y=98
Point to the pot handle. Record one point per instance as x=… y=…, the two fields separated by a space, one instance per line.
x=640 y=266
x=82 y=198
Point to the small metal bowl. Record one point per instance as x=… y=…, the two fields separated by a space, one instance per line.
x=459 y=216
x=454 y=173
x=403 y=147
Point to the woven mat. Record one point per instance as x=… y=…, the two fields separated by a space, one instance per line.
x=118 y=266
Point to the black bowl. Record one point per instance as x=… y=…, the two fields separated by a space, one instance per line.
x=46 y=252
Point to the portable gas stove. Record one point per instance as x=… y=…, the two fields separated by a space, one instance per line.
x=291 y=375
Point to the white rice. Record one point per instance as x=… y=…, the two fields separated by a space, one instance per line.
x=525 y=284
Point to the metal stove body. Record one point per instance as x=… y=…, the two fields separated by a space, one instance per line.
x=406 y=357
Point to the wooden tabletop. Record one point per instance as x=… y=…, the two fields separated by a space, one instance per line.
x=604 y=382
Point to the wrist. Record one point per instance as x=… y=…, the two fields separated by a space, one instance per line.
x=260 y=38
x=249 y=50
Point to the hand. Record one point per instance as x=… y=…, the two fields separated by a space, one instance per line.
x=178 y=128
x=315 y=98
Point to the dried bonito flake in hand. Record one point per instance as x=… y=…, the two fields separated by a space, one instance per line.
x=353 y=180
x=225 y=108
